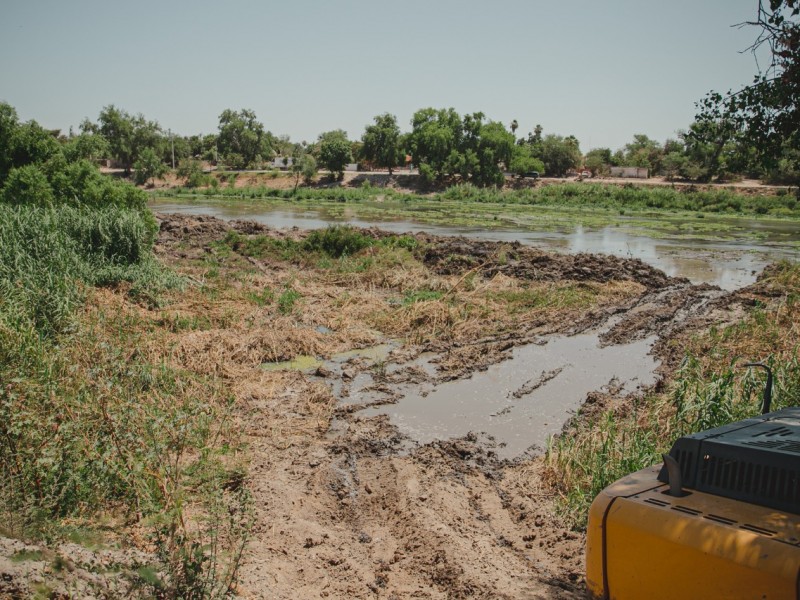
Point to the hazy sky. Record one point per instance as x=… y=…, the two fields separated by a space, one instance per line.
x=599 y=70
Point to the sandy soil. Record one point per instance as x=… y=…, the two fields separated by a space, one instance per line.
x=345 y=506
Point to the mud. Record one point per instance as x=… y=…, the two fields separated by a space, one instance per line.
x=348 y=502
x=351 y=503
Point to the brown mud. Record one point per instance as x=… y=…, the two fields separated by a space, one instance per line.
x=346 y=506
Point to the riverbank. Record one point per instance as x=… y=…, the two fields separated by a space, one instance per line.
x=300 y=337
x=722 y=250
x=404 y=181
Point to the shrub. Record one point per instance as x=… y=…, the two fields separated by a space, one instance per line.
x=337 y=241
x=27 y=185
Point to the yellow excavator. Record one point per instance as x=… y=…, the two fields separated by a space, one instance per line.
x=719 y=519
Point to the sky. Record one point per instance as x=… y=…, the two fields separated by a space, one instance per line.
x=602 y=71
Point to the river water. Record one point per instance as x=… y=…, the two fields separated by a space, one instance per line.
x=730 y=261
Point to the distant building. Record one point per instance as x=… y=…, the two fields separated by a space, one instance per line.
x=281 y=162
x=634 y=172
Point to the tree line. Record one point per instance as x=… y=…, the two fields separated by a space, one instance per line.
x=753 y=132
x=442 y=144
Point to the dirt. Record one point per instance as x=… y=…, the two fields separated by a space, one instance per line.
x=346 y=506
x=404 y=181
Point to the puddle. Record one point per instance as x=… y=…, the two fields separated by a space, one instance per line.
x=520 y=402
x=524 y=400
x=306 y=363
x=299 y=363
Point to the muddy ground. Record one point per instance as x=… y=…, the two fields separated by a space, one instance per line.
x=347 y=506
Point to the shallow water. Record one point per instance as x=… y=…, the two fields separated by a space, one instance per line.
x=729 y=262
x=524 y=400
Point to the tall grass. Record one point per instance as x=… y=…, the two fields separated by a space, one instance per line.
x=47 y=255
x=90 y=424
x=710 y=389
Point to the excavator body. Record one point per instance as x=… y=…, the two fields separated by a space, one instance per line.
x=720 y=519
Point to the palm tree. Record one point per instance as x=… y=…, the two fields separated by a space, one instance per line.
x=514 y=126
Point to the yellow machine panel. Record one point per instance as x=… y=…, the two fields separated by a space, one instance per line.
x=644 y=543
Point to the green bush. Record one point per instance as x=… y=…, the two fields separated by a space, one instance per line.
x=337 y=241
x=27 y=185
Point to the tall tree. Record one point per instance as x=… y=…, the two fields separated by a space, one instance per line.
x=242 y=141
x=381 y=142
x=766 y=113
x=128 y=135
x=560 y=154
x=523 y=161
x=434 y=136
x=335 y=151
x=644 y=152
x=148 y=167
x=495 y=148
x=598 y=160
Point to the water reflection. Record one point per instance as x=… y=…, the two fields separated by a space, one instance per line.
x=730 y=263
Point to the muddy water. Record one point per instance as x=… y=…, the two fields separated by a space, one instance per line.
x=522 y=401
x=515 y=405
x=730 y=262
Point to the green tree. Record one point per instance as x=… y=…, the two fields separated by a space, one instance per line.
x=709 y=146
x=381 y=142
x=148 y=166
x=128 y=135
x=560 y=154
x=435 y=137
x=335 y=152
x=303 y=165
x=644 y=152
x=27 y=185
x=766 y=114
x=308 y=166
x=674 y=165
x=242 y=141
x=88 y=146
x=523 y=161
x=598 y=160
x=495 y=147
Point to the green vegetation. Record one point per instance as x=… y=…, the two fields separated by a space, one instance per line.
x=242 y=141
x=382 y=142
x=335 y=152
x=609 y=199
x=336 y=241
x=443 y=145
x=89 y=424
x=127 y=136
x=763 y=117
x=709 y=390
